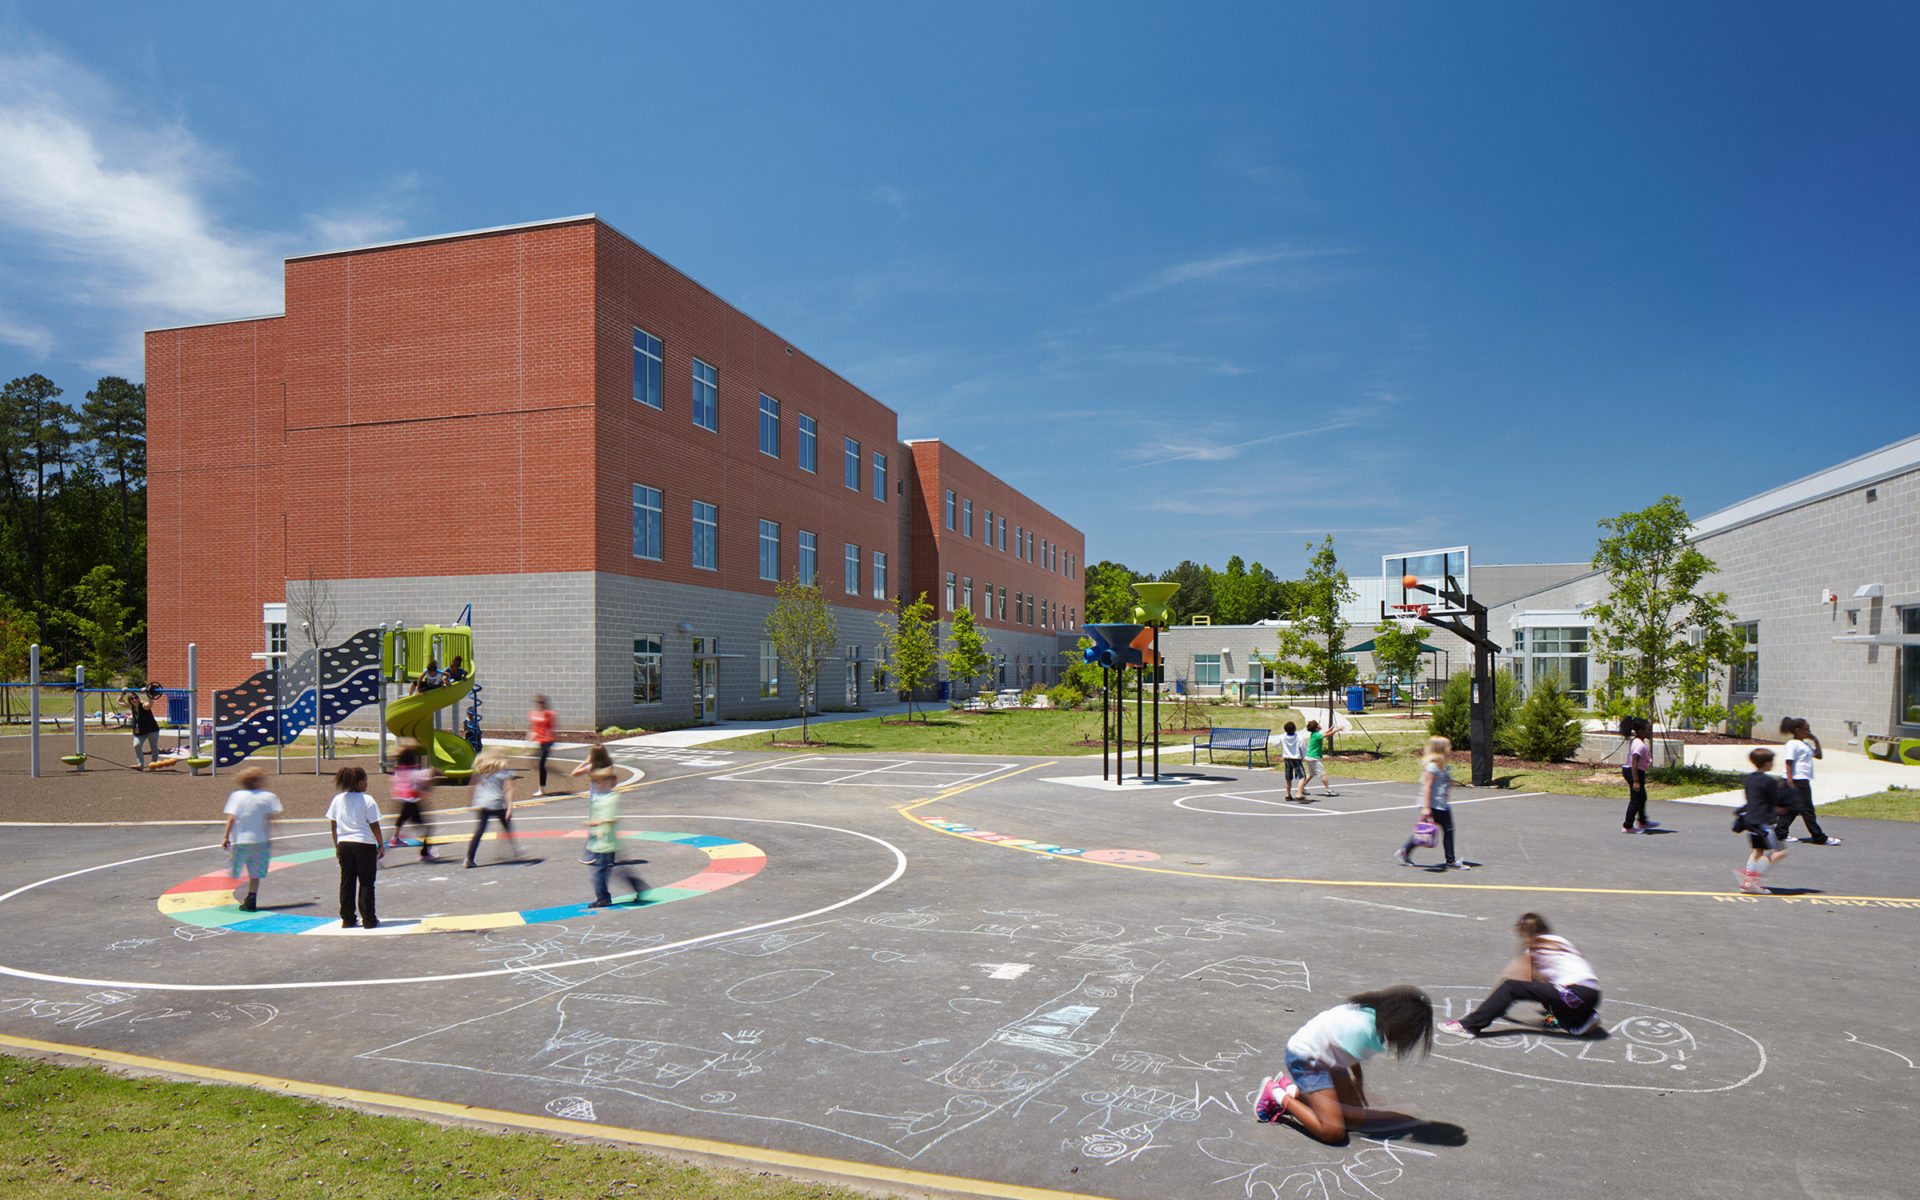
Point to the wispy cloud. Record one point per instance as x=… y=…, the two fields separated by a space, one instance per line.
x=36 y=340
x=890 y=198
x=1225 y=265
x=109 y=218
x=1226 y=446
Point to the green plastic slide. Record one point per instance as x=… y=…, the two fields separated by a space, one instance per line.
x=411 y=717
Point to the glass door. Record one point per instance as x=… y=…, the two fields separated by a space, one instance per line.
x=706 y=691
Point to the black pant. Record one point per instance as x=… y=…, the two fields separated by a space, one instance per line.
x=1636 y=798
x=479 y=831
x=358 y=862
x=1570 y=1015
x=1443 y=817
x=546 y=748
x=1803 y=808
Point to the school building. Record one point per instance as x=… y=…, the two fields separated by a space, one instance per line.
x=611 y=465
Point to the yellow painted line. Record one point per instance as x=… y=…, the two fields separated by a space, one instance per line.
x=951 y=792
x=752 y=1156
x=906 y=810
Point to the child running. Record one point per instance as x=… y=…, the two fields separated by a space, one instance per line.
x=249 y=833
x=1769 y=805
x=1639 y=734
x=1292 y=758
x=1800 y=753
x=597 y=760
x=1548 y=971
x=354 y=821
x=411 y=783
x=1436 y=802
x=493 y=801
x=1316 y=761
x=603 y=837
x=1322 y=1090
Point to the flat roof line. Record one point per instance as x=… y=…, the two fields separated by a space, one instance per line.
x=219 y=321
x=447 y=237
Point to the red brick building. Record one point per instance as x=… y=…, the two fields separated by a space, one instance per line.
x=608 y=462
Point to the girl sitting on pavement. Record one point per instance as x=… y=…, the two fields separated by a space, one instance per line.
x=1548 y=971
x=1322 y=1090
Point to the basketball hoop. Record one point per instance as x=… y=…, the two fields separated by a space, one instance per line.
x=1409 y=615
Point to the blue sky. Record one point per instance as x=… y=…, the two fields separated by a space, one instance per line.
x=1203 y=279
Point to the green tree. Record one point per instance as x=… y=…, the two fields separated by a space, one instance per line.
x=1196 y=589
x=1109 y=598
x=1547 y=726
x=1659 y=631
x=966 y=656
x=804 y=635
x=1311 y=644
x=1084 y=677
x=1397 y=651
x=1452 y=715
x=908 y=643
x=114 y=423
x=36 y=437
x=102 y=622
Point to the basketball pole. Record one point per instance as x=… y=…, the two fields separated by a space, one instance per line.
x=1480 y=709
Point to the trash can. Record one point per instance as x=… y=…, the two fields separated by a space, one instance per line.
x=1356 y=699
x=177 y=708
x=1180 y=685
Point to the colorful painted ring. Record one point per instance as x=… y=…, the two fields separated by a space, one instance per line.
x=208 y=900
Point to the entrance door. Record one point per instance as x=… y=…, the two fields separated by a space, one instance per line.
x=706 y=675
x=853 y=677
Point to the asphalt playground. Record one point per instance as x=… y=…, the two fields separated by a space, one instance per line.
x=1004 y=977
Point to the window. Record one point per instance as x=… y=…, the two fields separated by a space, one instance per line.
x=1910 y=670
x=1018 y=542
x=880 y=477
x=1029 y=545
x=646 y=670
x=1003 y=604
x=1003 y=533
x=276 y=638
x=646 y=522
x=949 y=508
x=769 y=671
x=706 y=396
x=879 y=575
x=807 y=567
x=1562 y=651
x=1206 y=670
x=986 y=594
x=966 y=593
x=769 y=549
x=809 y=436
x=769 y=426
x=706 y=531
x=986 y=522
x=952 y=587
x=1019 y=607
x=646 y=368
x=1029 y=608
x=1746 y=660
x=966 y=518
x=853 y=465
x=852 y=581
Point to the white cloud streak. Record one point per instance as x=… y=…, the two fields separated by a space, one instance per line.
x=110 y=225
x=1226 y=265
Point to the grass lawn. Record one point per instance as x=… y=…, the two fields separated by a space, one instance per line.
x=1032 y=731
x=1900 y=804
x=1401 y=760
x=81 y=1131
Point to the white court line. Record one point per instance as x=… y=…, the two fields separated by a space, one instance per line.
x=1354 y=812
x=1425 y=912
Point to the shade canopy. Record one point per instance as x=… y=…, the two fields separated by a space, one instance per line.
x=1367 y=646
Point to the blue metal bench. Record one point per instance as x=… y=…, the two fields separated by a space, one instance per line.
x=1236 y=740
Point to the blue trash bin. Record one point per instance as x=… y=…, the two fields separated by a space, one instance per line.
x=1356 y=699
x=177 y=708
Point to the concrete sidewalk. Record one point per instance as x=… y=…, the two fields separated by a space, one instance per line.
x=701 y=735
x=1840 y=775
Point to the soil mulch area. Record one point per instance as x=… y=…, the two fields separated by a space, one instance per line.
x=109 y=790
x=584 y=737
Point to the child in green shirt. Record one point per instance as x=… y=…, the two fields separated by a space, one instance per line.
x=603 y=838
x=1316 y=760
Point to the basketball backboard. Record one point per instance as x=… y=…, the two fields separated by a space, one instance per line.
x=1440 y=577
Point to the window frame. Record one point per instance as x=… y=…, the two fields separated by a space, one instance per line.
x=656 y=373
x=769 y=550
x=850 y=464
x=658 y=509
x=806 y=558
x=966 y=517
x=769 y=426
x=879 y=563
x=879 y=472
x=806 y=448
x=657 y=667
x=850 y=564
x=709 y=389
x=710 y=541
x=952 y=505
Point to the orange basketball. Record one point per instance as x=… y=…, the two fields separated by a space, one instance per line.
x=1409 y=581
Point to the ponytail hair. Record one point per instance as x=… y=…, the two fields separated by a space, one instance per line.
x=1530 y=926
x=1403 y=1016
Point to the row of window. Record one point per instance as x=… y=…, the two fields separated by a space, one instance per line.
x=649 y=519
x=1028 y=609
x=649 y=364
x=959 y=519
x=649 y=664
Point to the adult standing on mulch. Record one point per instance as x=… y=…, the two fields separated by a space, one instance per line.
x=146 y=727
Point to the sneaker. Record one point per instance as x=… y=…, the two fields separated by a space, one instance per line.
x=1829 y=841
x=1460 y=866
x=1457 y=1029
x=1646 y=825
x=1628 y=829
x=471 y=864
x=1585 y=1027
x=369 y=923
x=349 y=924
x=429 y=856
x=1403 y=858
x=601 y=904
x=1275 y=1091
x=247 y=905
x=394 y=842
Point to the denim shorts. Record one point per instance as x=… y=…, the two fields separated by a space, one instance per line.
x=250 y=859
x=1308 y=1076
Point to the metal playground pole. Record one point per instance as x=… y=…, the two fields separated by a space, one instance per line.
x=33 y=710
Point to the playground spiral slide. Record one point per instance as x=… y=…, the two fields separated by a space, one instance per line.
x=412 y=717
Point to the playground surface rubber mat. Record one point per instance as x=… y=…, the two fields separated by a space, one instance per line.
x=1003 y=977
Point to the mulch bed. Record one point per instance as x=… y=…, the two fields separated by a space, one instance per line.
x=1693 y=737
